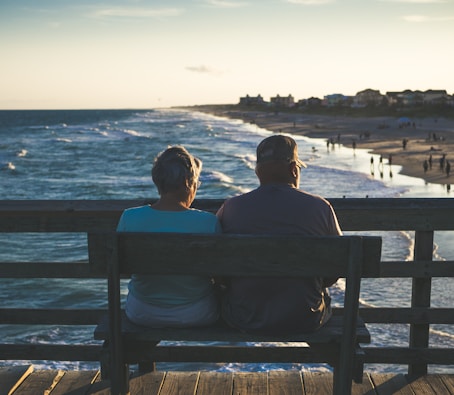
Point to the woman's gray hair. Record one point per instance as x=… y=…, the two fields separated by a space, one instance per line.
x=175 y=168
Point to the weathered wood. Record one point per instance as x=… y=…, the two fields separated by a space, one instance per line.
x=75 y=383
x=54 y=352
x=399 y=315
x=159 y=253
x=406 y=355
x=285 y=382
x=227 y=255
x=103 y=215
x=12 y=377
x=51 y=316
x=291 y=382
x=421 y=295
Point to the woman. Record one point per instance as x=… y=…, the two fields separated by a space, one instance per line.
x=171 y=301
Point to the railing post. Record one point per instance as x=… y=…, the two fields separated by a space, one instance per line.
x=421 y=292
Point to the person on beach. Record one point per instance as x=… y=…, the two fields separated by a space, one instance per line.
x=277 y=206
x=170 y=301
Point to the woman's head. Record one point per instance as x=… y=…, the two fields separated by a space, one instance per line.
x=174 y=169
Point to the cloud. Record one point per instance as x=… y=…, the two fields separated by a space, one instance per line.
x=423 y=18
x=134 y=12
x=203 y=70
x=310 y=2
x=416 y=1
x=225 y=4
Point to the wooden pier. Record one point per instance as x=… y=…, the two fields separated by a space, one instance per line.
x=24 y=380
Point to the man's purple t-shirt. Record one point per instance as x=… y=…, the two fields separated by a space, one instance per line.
x=278 y=305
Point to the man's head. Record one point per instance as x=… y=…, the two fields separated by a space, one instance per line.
x=277 y=161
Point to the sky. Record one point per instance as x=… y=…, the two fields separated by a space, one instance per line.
x=84 y=54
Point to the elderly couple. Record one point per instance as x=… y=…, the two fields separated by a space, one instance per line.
x=277 y=206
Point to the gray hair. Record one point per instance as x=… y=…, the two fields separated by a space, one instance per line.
x=175 y=168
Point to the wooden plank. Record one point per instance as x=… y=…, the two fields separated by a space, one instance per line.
x=161 y=253
x=287 y=382
x=437 y=384
x=420 y=385
x=147 y=383
x=76 y=382
x=46 y=270
x=387 y=383
x=51 y=316
x=180 y=383
x=448 y=380
x=406 y=355
x=215 y=383
x=12 y=377
x=250 y=383
x=366 y=387
x=353 y=213
x=39 y=382
x=318 y=383
x=420 y=297
x=55 y=352
x=396 y=315
x=420 y=269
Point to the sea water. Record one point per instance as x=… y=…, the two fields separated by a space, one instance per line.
x=107 y=154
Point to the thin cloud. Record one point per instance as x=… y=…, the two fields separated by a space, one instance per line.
x=423 y=18
x=416 y=1
x=225 y=4
x=202 y=69
x=134 y=12
x=310 y=2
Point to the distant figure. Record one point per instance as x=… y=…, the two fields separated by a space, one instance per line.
x=425 y=166
x=430 y=161
x=354 y=144
x=448 y=168
x=390 y=159
x=404 y=143
x=442 y=162
x=372 y=170
x=160 y=300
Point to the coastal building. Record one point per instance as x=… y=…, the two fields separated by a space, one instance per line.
x=282 y=101
x=252 y=100
x=368 y=97
x=435 y=97
x=337 y=99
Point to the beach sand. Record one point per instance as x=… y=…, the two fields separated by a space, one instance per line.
x=381 y=135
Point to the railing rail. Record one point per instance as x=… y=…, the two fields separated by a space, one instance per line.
x=423 y=216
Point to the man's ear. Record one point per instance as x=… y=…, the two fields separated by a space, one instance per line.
x=293 y=169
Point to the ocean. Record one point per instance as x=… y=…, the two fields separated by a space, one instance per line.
x=107 y=154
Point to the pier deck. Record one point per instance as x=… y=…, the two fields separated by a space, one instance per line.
x=25 y=380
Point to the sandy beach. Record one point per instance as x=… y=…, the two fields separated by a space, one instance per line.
x=408 y=145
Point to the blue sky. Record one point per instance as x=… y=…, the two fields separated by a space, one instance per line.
x=161 y=53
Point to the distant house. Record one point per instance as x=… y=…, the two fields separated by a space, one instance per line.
x=314 y=102
x=368 y=97
x=281 y=101
x=336 y=99
x=435 y=96
x=251 y=100
x=407 y=98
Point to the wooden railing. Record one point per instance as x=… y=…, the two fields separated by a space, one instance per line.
x=423 y=216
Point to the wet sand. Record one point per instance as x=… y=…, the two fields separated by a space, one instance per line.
x=384 y=136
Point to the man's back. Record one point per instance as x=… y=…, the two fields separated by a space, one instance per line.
x=277 y=305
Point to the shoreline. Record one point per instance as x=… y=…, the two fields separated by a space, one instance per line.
x=424 y=137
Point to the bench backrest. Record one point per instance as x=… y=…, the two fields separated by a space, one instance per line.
x=235 y=255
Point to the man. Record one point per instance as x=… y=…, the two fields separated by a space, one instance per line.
x=277 y=206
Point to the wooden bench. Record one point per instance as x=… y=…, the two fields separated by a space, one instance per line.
x=352 y=257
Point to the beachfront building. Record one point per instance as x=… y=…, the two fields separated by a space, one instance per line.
x=337 y=99
x=282 y=101
x=252 y=100
x=433 y=97
x=368 y=97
